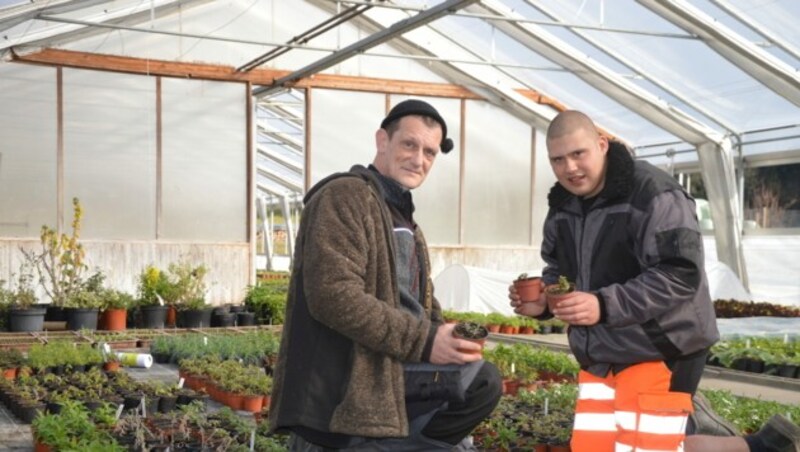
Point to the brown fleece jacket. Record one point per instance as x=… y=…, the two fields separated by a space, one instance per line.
x=345 y=336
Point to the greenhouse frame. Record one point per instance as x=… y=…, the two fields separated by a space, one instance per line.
x=190 y=129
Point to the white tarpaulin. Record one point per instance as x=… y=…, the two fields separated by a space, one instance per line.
x=463 y=288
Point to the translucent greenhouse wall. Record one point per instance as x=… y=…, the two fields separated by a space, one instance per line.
x=110 y=164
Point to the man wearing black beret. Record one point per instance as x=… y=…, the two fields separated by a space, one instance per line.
x=366 y=362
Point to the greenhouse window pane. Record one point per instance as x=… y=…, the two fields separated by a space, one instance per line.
x=436 y=199
x=109 y=153
x=343 y=126
x=27 y=149
x=204 y=161
x=498 y=177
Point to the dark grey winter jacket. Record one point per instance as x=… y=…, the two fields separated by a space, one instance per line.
x=639 y=248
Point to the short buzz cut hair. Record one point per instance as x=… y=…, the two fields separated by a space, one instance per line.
x=569 y=121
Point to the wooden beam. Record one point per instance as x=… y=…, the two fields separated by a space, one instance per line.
x=113 y=63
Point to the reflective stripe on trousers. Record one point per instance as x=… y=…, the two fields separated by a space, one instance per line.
x=632 y=411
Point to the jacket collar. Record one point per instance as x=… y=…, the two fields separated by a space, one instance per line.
x=619 y=178
x=395 y=194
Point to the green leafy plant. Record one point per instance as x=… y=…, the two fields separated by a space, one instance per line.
x=60 y=264
x=267 y=300
x=187 y=285
x=23 y=295
x=152 y=284
x=563 y=286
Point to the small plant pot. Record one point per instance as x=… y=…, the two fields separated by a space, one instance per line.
x=554 y=295
x=529 y=289
x=252 y=403
x=472 y=332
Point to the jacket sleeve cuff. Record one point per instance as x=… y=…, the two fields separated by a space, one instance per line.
x=426 y=352
x=603 y=311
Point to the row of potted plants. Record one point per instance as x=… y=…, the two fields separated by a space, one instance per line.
x=252 y=347
x=189 y=428
x=538 y=420
x=239 y=386
x=31 y=394
x=505 y=324
x=732 y=309
x=525 y=366
x=773 y=356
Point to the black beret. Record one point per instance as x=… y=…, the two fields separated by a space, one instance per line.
x=421 y=108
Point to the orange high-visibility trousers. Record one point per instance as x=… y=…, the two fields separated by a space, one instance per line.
x=632 y=411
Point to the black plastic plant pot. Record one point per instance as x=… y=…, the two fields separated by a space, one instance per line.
x=153 y=317
x=224 y=320
x=245 y=319
x=82 y=318
x=26 y=320
x=55 y=314
x=194 y=318
x=167 y=404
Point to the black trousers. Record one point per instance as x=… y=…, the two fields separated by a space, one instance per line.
x=686 y=374
x=457 y=421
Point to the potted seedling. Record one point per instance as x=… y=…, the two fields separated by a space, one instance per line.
x=559 y=291
x=473 y=332
x=529 y=288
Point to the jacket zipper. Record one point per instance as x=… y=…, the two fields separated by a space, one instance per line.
x=580 y=258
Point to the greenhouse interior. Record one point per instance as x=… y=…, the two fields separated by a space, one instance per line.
x=157 y=158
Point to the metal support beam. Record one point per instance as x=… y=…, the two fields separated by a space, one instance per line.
x=638 y=69
x=719 y=180
x=766 y=32
x=373 y=40
x=16 y=15
x=58 y=36
x=485 y=81
x=758 y=63
x=639 y=100
x=724 y=196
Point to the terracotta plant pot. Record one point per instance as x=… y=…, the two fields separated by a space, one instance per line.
x=115 y=319
x=555 y=293
x=111 y=366
x=253 y=403
x=529 y=289
x=10 y=374
x=507 y=329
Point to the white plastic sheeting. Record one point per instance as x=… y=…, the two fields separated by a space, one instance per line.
x=464 y=288
x=773 y=267
x=759 y=326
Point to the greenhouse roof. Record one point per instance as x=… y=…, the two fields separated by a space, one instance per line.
x=659 y=74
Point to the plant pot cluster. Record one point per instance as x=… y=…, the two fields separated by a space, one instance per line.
x=93 y=389
x=229 y=382
x=523 y=423
x=526 y=367
x=503 y=324
x=232 y=315
x=251 y=347
x=726 y=309
x=771 y=356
